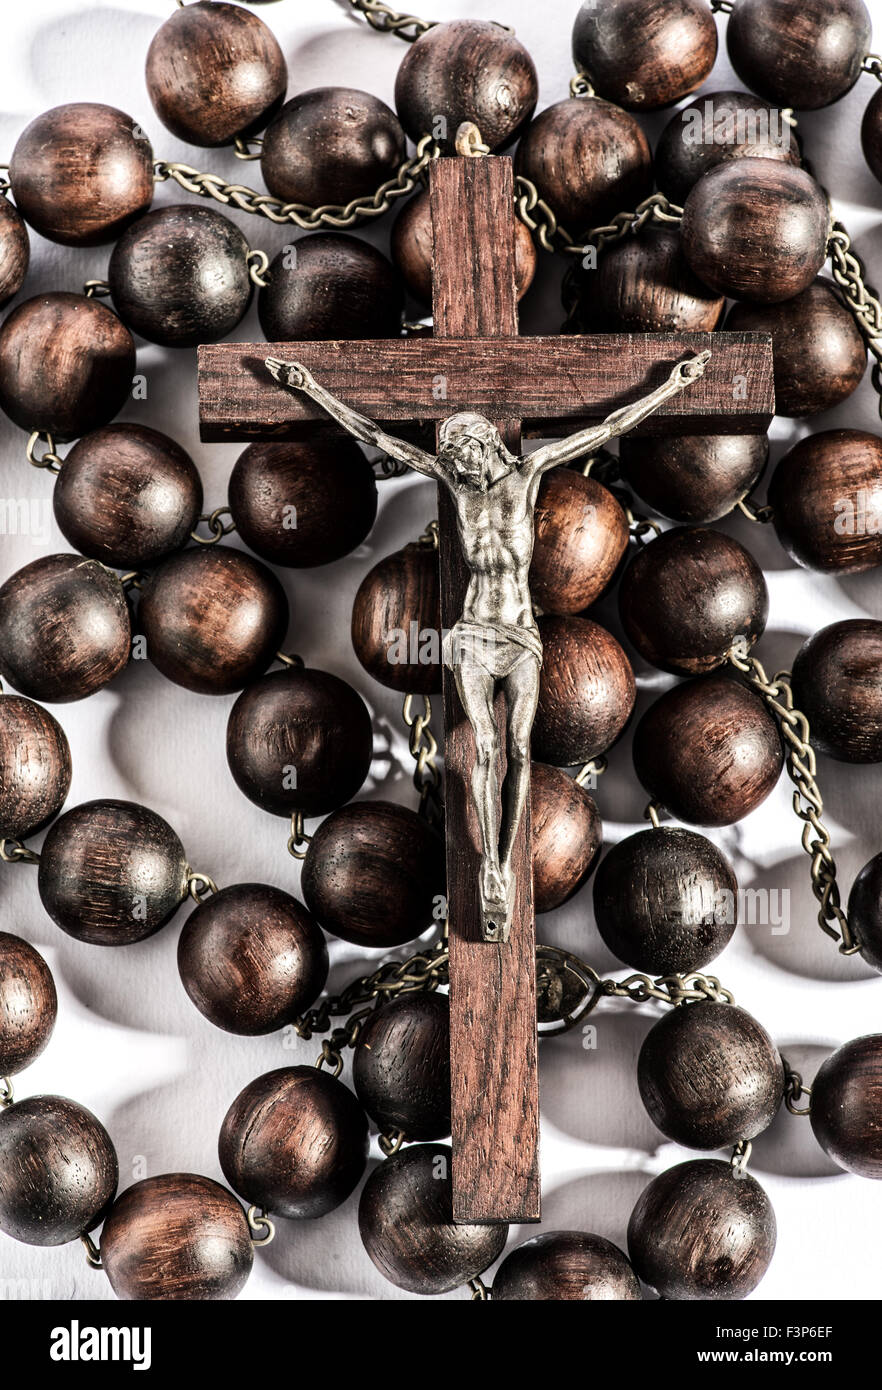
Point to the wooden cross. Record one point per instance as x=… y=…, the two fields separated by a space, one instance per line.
x=544 y=385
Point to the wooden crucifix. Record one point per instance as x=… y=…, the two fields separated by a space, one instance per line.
x=475 y=363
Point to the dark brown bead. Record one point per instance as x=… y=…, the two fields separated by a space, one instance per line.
x=412 y=245
x=865 y=911
x=64 y=628
x=330 y=285
x=251 y=959
x=178 y=1236
x=837 y=683
x=644 y=285
x=66 y=364
x=372 y=873
x=567 y=835
x=35 y=768
x=213 y=619
x=645 y=54
x=405 y=1218
x=127 y=496
x=396 y=621
x=694 y=478
x=665 y=901
x=179 y=276
x=709 y=751
x=15 y=250
x=111 y=872
x=827 y=498
x=565 y=1265
x=700 y=1231
x=401 y=1066
x=303 y=504
x=581 y=534
x=756 y=229
x=299 y=741
x=846 y=1106
x=215 y=71
x=80 y=173
x=58 y=1170
x=688 y=595
x=871 y=134
x=806 y=55
x=330 y=145
x=466 y=70
x=715 y=129
x=28 y=1004
x=586 y=691
x=294 y=1142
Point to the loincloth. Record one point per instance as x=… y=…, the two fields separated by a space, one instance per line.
x=497 y=648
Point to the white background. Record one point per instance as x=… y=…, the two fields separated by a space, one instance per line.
x=128 y=1043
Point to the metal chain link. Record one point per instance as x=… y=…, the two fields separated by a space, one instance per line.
x=756 y=511
x=404 y=26
x=741 y=1157
x=14 y=852
x=795 y=1090
x=861 y=299
x=722 y=6
x=669 y=989
x=263 y=1230
x=873 y=65
x=7 y=1094
x=480 y=1292
x=50 y=460
x=200 y=886
x=93 y=1254
x=424 y=749
x=596 y=767
x=258 y=265
x=298 y=840
x=216 y=526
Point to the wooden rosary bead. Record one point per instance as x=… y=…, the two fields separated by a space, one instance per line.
x=805 y=55
x=709 y=751
x=715 y=129
x=330 y=285
x=174 y=1237
x=665 y=901
x=214 y=72
x=405 y=1219
x=401 y=1066
x=111 y=872
x=299 y=741
x=645 y=54
x=871 y=135
x=586 y=691
x=643 y=285
x=81 y=173
x=694 y=478
x=179 y=276
x=66 y=365
x=827 y=499
x=35 y=768
x=837 y=683
x=466 y=70
x=294 y=1142
x=127 y=496
x=565 y=1266
x=64 y=628
x=330 y=145
x=581 y=534
x=412 y=246
x=372 y=873
x=756 y=229
x=846 y=1106
x=15 y=250
x=303 y=504
x=28 y=1004
x=213 y=618
x=396 y=621
x=58 y=1170
x=864 y=912
x=567 y=836
x=700 y=1231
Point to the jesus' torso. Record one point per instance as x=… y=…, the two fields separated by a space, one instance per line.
x=495 y=528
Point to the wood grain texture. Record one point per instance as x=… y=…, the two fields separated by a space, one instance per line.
x=567 y=835
x=696 y=477
x=644 y=284
x=837 y=683
x=401 y=1066
x=865 y=911
x=643 y=54
x=586 y=691
x=871 y=134
x=330 y=145
x=563 y=1266
x=806 y=55
x=58 y=1170
x=35 y=768
x=330 y=285
x=396 y=621
x=15 y=250
x=732 y=125
x=412 y=248
x=827 y=496
x=28 y=1004
x=580 y=536
x=846 y=1106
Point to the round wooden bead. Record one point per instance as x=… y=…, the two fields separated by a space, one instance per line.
x=756 y=229
x=66 y=364
x=837 y=683
x=827 y=499
x=865 y=911
x=871 y=134
x=15 y=250
x=177 y=1236
x=294 y=1142
x=58 y=1170
x=567 y=835
x=581 y=534
x=846 y=1106
x=715 y=129
x=213 y=619
x=806 y=55
x=111 y=872
x=586 y=691
x=700 y=1231
x=405 y=1218
x=565 y=1265
x=64 y=628
x=687 y=596
x=413 y=241
x=215 y=71
x=251 y=959
x=396 y=621
x=179 y=276
x=645 y=54
x=693 y=478
x=303 y=504
x=28 y=1004
x=401 y=1066
x=127 y=496
x=644 y=285
x=665 y=901
x=330 y=145
x=299 y=741
x=372 y=872
x=330 y=285
x=466 y=70
x=80 y=173
x=35 y=768
x=709 y=751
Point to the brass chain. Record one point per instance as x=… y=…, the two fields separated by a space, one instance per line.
x=200 y=886
x=669 y=989
x=298 y=840
x=596 y=767
x=849 y=274
x=741 y=1157
x=756 y=511
x=605 y=468
x=7 y=1094
x=262 y=1229
x=50 y=459
x=873 y=65
x=536 y=214
x=387 y=21
x=14 y=852
x=258 y=265
x=795 y=1090
x=217 y=527
x=424 y=749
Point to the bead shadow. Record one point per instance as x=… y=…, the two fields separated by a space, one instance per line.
x=788 y=1146
x=600 y=1203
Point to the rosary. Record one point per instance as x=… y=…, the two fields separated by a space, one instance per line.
x=487 y=609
